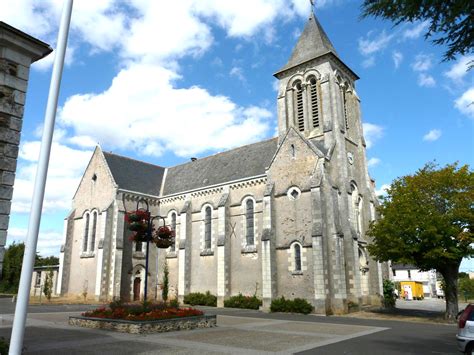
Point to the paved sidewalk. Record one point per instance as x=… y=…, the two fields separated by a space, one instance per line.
x=49 y=333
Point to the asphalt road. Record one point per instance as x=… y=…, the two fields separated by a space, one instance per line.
x=400 y=337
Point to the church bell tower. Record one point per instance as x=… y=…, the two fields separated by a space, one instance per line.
x=316 y=89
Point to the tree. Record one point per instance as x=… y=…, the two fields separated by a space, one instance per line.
x=427 y=220
x=46 y=261
x=165 y=289
x=12 y=262
x=452 y=21
x=48 y=285
x=466 y=286
x=389 y=296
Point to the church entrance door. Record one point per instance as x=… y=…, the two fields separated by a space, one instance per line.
x=136 y=289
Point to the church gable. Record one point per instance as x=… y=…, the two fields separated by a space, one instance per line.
x=97 y=185
x=293 y=163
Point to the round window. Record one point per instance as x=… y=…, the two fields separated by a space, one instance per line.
x=293 y=193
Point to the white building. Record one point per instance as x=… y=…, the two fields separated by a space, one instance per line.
x=404 y=272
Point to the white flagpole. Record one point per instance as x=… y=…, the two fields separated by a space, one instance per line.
x=18 y=330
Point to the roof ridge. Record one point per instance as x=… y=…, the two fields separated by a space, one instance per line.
x=226 y=151
x=140 y=161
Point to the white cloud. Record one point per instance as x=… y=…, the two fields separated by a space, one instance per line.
x=397 y=58
x=416 y=31
x=465 y=103
x=372 y=133
x=302 y=7
x=49 y=242
x=65 y=170
x=47 y=62
x=432 y=135
x=423 y=62
x=141 y=29
x=369 y=46
x=373 y=162
x=383 y=190
x=426 y=80
x=235 y=16
x=150 y=38
x=369 y=62
x=238 y=73
x=460 y=69
x=41 y=19
x=142 y=106
x=296 y=33
x=276 y=85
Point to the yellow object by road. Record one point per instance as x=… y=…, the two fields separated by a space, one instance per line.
x=411 y=290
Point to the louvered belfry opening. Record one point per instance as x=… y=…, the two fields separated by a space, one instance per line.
x=299 y=107
x=314 y=102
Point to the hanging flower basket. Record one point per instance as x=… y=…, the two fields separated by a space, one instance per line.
x=164 y=232
x=138 y=226
x=138 y=237
x=163 y=243
x=138 y=216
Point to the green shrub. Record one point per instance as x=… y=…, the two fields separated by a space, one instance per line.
x=389 y=296
x=298 y=305
x=174 y=303
x=241 y=301
x=166 y=282
x=4 y=345
x=201 y=299
x=48 y=285
x=118 y=303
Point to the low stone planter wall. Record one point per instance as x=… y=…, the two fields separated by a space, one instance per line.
x=144 y=327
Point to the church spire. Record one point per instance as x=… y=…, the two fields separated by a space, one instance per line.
x=313 y=43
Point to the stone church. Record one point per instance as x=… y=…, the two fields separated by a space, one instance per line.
x=282 y=217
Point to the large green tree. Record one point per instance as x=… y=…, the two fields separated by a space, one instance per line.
x=427 y=220
x=451 y=22
x=12 y=261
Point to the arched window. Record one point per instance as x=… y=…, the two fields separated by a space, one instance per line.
x=344 y=106
x=86 y=232
x=358 y=210
x=207 y=227
x=314 y=102
x=355 y=209
x=249 y=220
x=173 y=228
x=93 y=231
x=297 y=250
x=299 y=106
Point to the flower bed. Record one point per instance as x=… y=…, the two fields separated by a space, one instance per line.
x=143 y=318
x=130 y=313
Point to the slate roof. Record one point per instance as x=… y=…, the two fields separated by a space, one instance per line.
x=404 y=267
x=235 y=164
x=312 y=43
x=135 y=175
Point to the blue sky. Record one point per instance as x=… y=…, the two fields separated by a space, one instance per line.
x=165 y=81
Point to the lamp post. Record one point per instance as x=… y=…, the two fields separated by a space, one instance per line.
x=141 y=223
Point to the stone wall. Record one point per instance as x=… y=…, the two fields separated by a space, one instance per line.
x=145 y=327
x=17 y=52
